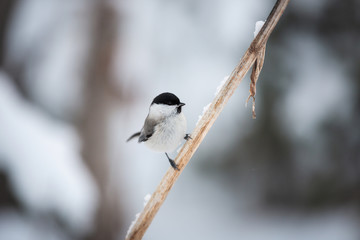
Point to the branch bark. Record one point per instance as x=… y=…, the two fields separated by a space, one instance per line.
x=254 y=53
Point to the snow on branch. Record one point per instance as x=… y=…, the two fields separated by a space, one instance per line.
x=253 y=56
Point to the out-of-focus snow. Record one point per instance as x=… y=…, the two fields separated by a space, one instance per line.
x=310 y=7
x=42 y=160
x=53 y=48
x=258 y=26
x=246 y=220
x=14 y=226
x=317 y=93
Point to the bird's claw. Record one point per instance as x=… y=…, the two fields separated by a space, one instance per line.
x=187 y=137
x=174 y=165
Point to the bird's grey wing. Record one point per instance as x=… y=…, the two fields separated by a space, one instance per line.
x=148 y=130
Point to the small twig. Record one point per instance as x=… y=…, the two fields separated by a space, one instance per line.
x=259 y=62
x=254 y=53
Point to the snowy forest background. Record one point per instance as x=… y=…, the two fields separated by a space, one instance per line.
x=77 y=77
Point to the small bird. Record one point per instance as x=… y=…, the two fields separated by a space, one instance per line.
x=165 y=125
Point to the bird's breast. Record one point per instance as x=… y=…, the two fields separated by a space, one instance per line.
x=168 y=134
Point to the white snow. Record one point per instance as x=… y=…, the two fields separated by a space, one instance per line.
x=146 y=200
x=42 y=160
x=258 y=26
x=221 y=85
x=218 y=88
x=203 y=111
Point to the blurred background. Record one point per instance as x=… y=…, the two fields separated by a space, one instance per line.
x=77 y=78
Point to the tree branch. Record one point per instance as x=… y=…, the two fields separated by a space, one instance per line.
x=254 y=52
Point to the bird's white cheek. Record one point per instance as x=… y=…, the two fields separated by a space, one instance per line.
x=159 y=111
x=182 y=124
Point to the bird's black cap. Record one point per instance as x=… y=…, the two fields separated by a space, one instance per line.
x=167 y=98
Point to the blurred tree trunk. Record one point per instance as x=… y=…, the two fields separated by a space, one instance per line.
x=7 y=197
x=93 y=125
x=99 y=103
x=6 y=9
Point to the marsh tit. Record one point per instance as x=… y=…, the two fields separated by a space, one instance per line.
x=165 y=125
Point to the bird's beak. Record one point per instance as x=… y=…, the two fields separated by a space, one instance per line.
x=181 y=104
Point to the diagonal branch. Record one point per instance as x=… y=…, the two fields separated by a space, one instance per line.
x=254 y=53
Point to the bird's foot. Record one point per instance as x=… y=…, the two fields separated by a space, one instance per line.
x=172 y=163
x=187 y=137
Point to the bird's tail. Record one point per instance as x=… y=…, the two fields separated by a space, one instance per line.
x=134 y=135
